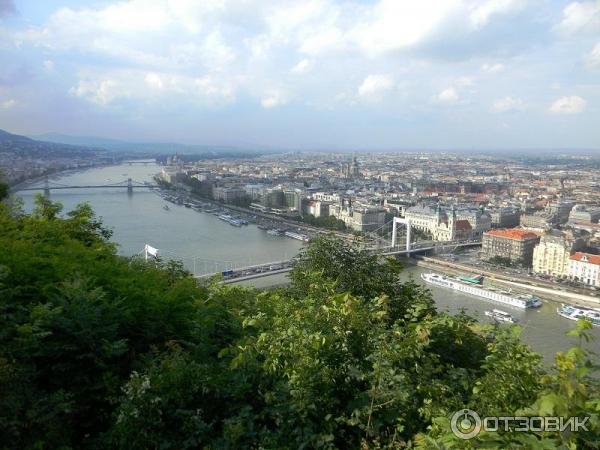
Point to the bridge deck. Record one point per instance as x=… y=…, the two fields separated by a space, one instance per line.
x=92 y=186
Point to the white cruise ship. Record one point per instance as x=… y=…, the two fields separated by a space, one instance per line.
x=578 y=312
x=523 y=301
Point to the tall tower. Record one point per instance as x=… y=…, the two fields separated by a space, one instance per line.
x=355 y=168
x=452 y=223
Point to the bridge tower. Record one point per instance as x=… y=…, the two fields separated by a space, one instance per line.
x=129 y=186
x=398 y=220
x=46 y=186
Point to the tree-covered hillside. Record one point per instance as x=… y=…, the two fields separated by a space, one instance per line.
x=101 y=351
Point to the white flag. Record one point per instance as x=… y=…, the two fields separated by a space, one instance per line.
x=151 y=251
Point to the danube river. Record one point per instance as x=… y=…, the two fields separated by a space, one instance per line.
x=200 y=240
x=206 y=244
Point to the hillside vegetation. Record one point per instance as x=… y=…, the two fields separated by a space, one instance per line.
x=101 y=351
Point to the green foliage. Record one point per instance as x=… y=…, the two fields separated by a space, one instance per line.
x=101 y=351
x=571 y=390
x=328 y=222
x=3 y=189
x=501 y=261
x=359 y=273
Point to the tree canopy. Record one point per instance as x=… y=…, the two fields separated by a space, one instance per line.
x=102 y=351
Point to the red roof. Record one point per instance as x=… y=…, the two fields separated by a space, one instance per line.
x=512 y=233
x=463 y=224
x=592 y=259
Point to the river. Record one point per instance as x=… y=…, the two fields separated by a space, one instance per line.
x=206 y=244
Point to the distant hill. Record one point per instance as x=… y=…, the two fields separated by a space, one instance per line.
x=148 y=147
x=88 y=141
x=28 y=147
x=5 y=136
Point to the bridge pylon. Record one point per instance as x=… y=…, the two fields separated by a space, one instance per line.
x=46 y=186
x=129 y=186
x=398 y=220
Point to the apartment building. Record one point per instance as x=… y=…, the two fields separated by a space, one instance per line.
x=585 y=268
x=512 y=244
x=551 y=256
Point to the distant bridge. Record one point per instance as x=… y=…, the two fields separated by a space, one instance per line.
x=128 y=184
x=140 y=161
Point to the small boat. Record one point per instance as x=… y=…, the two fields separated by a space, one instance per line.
x=166 y=207
x=500 y=316
x=579 y=313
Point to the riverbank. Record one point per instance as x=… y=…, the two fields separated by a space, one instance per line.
x=274 y=218
x=551 y=293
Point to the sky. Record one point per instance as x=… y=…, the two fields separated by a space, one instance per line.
x=305 y=74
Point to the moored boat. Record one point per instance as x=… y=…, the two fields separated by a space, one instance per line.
x=522 y=301
x=579 y=313
x=298 y=236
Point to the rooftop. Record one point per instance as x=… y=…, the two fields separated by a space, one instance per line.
x=580 y=256
x=512 y=233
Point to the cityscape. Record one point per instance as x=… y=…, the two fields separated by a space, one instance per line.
x=291 y=225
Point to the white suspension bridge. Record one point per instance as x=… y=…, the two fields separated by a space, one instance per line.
x=395 y=238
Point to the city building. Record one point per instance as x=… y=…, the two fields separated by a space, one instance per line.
x=539 y=221
x=360 y=218
x=317 y=208
x=293 y=200
x=254 y=191
x=447 y=225
x=584 y=214
x=273 y=198
x=551 y=255
x=585 y=268
x=561 y=209
x=479 y=221
x=351 y=170
x=512 y=244
x=504 y=217
x=228 y=194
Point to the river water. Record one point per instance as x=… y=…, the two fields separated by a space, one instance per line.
x=206 y=244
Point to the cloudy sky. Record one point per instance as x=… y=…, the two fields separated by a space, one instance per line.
x=305 y=73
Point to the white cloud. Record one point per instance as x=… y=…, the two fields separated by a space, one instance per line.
x=448 y=95
x=508 y=104
x=568 y=105
x=303 y=66
x=215 y=51
x=135 y=16
x=373 y=86
x=106 y=88
x=593 y=59
x=393 y=25
x=492 y=68
x=49 y=66
x=154 y=80
x=481 y=13
x=273 y=99
x=8 y=104
x=101 y=92
x=580 y=17
x=465 y=81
